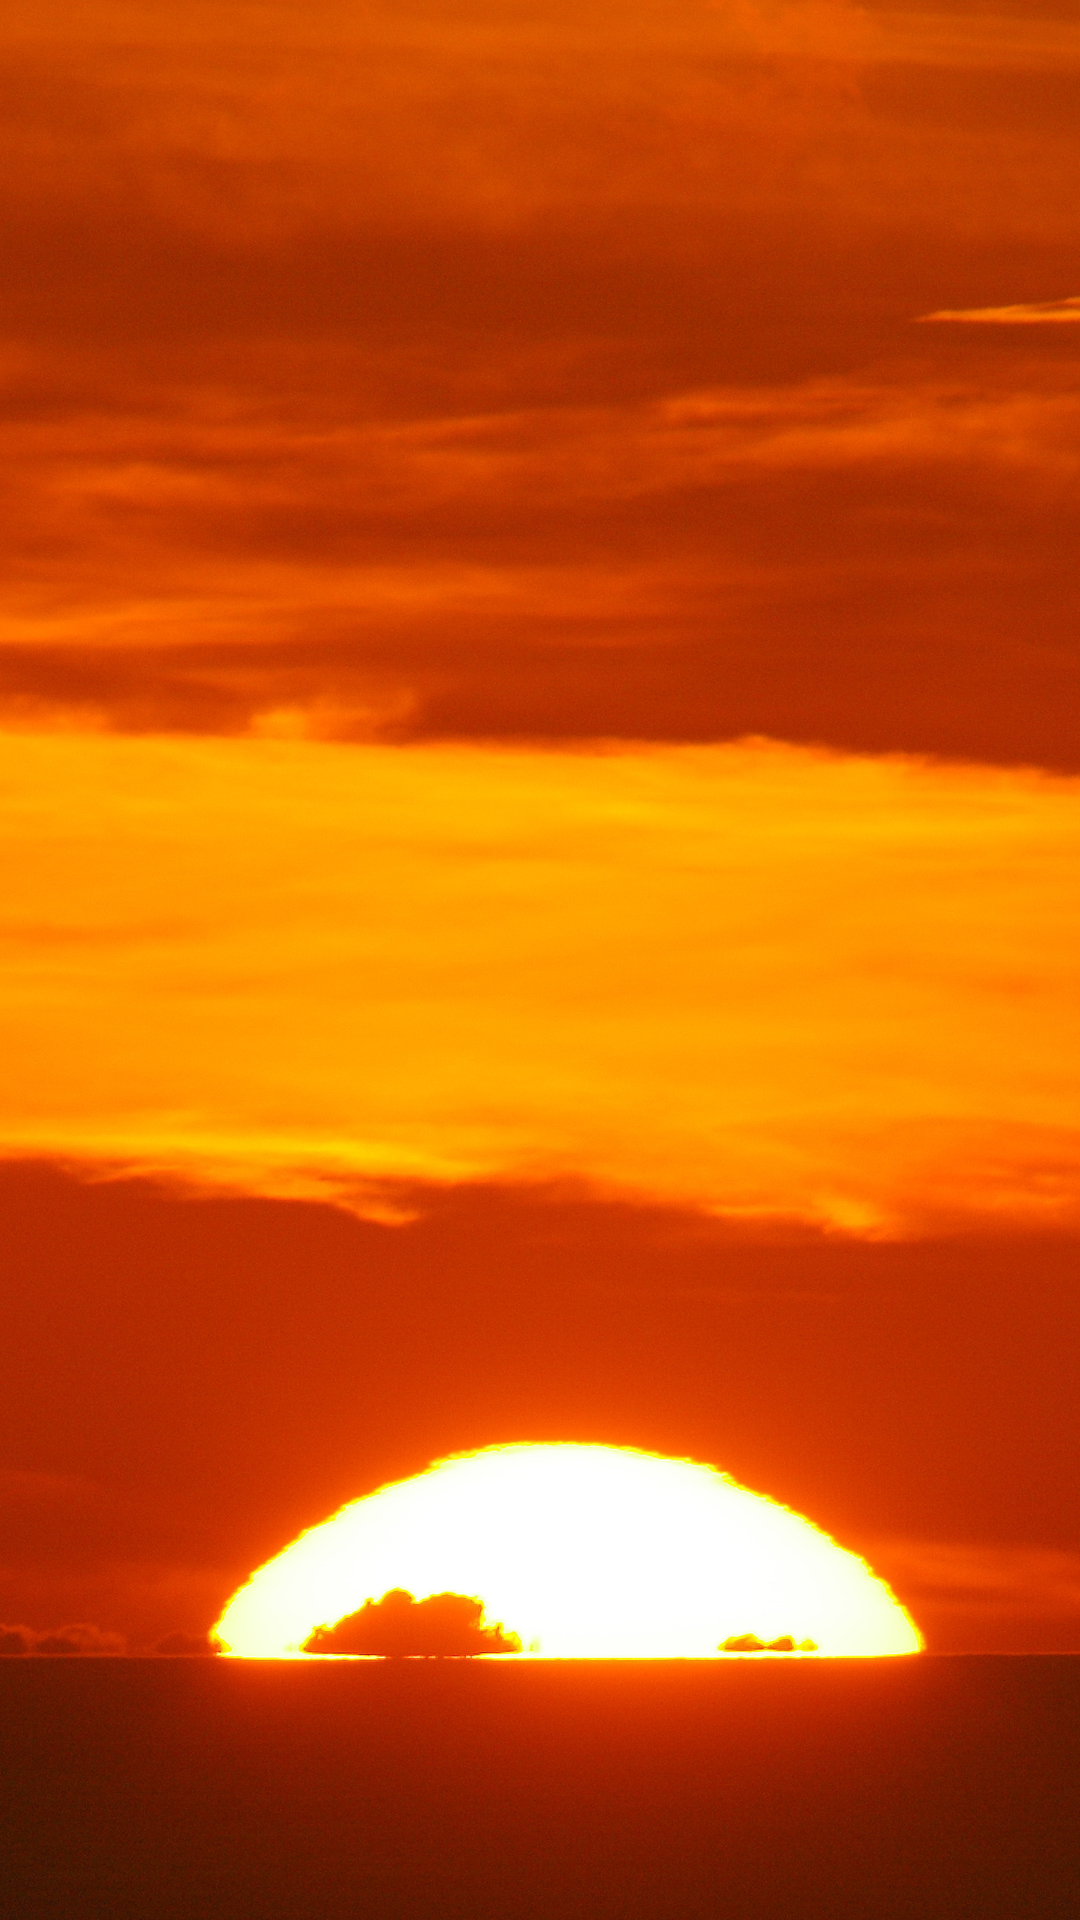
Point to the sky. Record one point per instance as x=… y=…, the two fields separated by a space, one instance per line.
x=540 y=758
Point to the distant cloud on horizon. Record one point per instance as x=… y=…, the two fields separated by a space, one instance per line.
x=1027 y=314
x=80 y=1638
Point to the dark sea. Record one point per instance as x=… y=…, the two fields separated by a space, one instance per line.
x=932 y=1788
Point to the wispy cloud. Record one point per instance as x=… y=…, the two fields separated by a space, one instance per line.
x=1032 y=313
x=350 y=419
x=973 y=1577
x=707 y=562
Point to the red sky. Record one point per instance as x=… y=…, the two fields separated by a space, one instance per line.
x=540 y=750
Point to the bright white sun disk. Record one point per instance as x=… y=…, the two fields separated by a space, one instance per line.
x=590 y=1551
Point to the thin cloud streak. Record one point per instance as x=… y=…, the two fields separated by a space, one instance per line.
x=764 y=981
x=1032 y=314
x=994 y=1579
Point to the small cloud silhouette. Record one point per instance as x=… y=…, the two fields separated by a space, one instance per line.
x=749 y=1643
x=398 y=1624
x=80 y=1637
x=1032 y=313
x=187 y=1644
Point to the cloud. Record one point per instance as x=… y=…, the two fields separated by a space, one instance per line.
x=880 y=564
x=988 y=1578
x=749 y=1643
x=489 y=118
x=80 y=1638
x=386 y=373
x=179 y=1644
x=758 y=980
x=1005 y=36
x=399 y=1624
x=1031 y=314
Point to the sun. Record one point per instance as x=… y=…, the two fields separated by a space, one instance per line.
x=581 y=1551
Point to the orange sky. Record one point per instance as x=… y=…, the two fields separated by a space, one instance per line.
x=755 y=978
x=539 y=646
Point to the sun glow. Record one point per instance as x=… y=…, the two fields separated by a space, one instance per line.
x=585 y=1551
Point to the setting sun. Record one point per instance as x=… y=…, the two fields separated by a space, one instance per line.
x=587 y=1551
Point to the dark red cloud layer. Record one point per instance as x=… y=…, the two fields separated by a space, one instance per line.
x=187 y=1384
x=339 y=357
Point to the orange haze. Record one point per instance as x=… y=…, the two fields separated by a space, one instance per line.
x=539 y=753
x=761 y=979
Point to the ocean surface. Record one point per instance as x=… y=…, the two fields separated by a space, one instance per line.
x=932 y=1788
